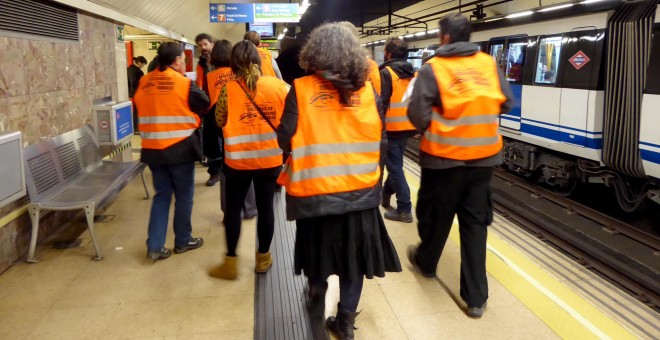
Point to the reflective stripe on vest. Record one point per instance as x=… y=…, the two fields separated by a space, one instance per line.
x=466 y=127
x=266 y=62
x=396 y=118
x=164 y=115
x=342 y=159
x=216 y=80
x=249 y=142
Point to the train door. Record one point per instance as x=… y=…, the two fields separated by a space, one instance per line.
x=509 y=54
x=578 y=95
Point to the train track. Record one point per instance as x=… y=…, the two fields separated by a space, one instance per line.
x=626 y=255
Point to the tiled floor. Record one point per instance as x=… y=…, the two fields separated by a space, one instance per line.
x=124 y=296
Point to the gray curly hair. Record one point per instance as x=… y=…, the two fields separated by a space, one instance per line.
x=335 y=48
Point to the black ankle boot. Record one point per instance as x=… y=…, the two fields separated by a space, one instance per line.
x=343 y=325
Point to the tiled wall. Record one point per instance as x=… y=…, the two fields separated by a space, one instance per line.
x=47 y=89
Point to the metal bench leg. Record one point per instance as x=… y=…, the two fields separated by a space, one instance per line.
x=34 y=216
x=89 y=213
x=144 y=183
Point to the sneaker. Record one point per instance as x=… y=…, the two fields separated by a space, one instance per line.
x=476 y=312
x=215 y=178
x=159 y=254
x=195 y=243
x=385 y=200
x=395 y=215
x=412 y=258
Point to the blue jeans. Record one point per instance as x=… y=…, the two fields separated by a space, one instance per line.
x=396 y=181
x=180 y=180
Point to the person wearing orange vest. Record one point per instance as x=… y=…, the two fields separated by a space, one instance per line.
x=456 y=102
x=374 y=75
x=333 y=128
x=249 y=110
x=268 y=64
x=210 y=144
x=395 y=74
x=217 y=79
x=169 y=105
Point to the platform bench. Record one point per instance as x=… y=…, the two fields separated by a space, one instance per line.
x=67 y=172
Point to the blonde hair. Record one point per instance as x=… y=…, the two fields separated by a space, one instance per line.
x=246 y=63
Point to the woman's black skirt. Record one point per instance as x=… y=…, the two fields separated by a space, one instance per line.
x=350 y=245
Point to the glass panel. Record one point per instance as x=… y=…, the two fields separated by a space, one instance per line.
x=548 y=61
x=515 y=62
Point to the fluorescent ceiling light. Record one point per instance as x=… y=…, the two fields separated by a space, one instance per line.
x=433 y=31
x=555 y=8
x=420 y=33
x=409 y=35
x=400 y=37
x=382 y=41
x=494 y=19
x=589 y=2
x=520 y=14
x=280 y=37
x=285 y=30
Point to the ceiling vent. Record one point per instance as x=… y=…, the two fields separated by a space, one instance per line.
x=42 y=18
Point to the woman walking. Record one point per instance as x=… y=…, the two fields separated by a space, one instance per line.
x=333 y=126
x=249 y=110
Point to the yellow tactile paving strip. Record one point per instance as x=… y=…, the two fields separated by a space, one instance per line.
x=565 y=312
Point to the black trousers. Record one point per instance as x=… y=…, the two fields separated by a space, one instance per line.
x=462 y=191
x=238 y=184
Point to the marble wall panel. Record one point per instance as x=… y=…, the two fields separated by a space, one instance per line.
x=87 y=56
x=13 y=69
x=99 y=51
x=76 y=70
x=13 y=115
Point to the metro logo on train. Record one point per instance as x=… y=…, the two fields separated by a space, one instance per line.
x=578 y=60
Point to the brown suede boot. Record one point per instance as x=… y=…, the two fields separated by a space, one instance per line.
x=227 y=270
x=263 y=262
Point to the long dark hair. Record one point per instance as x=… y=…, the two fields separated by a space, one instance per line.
x=246 y=63
x=221 y=54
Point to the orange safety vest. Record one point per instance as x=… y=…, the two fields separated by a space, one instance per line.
x=266 y=62
x=374 y=75
x=466 y=126
x=216 y=80
x=336 y=148
x=396 y=118
x=250 y=143
x=200 y=77
x=164 y=116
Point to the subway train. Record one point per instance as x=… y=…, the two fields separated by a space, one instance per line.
x=587 y=89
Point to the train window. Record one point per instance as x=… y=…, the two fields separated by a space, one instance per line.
x=496 y=52
x=548 y=60
x=515 y=61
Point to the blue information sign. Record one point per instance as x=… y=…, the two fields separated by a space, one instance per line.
x=272 y=12
x=124 y=123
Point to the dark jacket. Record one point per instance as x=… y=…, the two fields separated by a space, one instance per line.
x=206 y=67
x=134 y=75
x=189 y=149
x=426 y=95
x=153 y=64
x=403 y=70
x=333 y=204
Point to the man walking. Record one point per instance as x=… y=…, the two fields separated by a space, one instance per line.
x=456 y=102
x=395 y=75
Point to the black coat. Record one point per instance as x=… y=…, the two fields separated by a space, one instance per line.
x=134 y=75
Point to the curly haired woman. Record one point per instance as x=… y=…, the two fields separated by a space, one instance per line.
x=333 y=127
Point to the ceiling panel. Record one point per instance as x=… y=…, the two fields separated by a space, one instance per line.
x=191 y=17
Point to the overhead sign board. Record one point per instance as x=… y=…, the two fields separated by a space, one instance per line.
x=153 y=45
x=279 y=12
